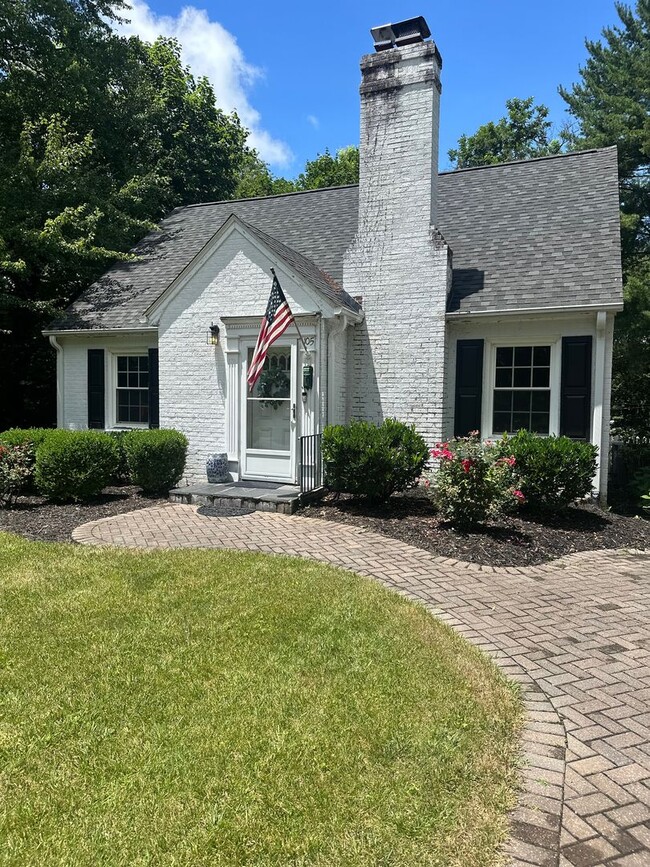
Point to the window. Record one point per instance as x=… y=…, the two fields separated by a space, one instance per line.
x=522 y=389
x=132 y=389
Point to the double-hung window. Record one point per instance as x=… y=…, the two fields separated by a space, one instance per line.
x=132 y=392
x=522 y=389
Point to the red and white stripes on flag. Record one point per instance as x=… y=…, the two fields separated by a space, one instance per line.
x=277 y=319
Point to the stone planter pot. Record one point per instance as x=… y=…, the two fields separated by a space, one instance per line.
x=216 y=468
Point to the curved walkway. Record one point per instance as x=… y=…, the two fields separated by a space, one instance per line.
x=575 y=633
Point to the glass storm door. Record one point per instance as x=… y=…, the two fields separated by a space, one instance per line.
x=269 y=423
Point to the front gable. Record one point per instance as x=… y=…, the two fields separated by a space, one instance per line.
x=231 y=276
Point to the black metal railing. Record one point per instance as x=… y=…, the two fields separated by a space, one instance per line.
x=311 y=463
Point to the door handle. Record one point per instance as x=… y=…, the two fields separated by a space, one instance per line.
x=293 y=411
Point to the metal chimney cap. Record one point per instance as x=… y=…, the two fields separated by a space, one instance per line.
x=403 y=33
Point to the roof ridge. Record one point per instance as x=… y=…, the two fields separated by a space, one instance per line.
x=529 y=160
x=258 y=198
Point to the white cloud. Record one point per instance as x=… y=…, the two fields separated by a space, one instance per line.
x=313 y=120
x=210 y=50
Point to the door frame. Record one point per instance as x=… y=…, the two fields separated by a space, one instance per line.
x=247 y=344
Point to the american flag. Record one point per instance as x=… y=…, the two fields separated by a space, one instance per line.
x=277 y=319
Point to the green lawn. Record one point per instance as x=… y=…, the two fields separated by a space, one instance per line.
x=216 y=709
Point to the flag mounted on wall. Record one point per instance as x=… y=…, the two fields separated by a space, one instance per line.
x=277 y=319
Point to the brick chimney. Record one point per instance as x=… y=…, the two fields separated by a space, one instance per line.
x=398 y=261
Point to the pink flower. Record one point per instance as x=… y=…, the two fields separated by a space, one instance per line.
x=467 y=465
x=443 y=453
x=519 y=496
x=427 y=483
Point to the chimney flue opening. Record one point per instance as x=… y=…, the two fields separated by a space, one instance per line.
x=403 y=33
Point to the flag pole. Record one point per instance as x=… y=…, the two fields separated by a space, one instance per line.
x=302 y=339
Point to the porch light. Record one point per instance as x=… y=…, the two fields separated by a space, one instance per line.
x=213 y=335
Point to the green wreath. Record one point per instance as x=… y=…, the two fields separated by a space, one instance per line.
x=274 y=382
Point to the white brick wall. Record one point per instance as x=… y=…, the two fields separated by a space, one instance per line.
x=397 y=264
x=234 y=281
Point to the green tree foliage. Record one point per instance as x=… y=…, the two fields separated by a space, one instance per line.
x=612 y=106
x=100 y=136
x=523 y=134
x=323 y=171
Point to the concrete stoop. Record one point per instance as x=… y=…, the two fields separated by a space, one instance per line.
x=246 y=496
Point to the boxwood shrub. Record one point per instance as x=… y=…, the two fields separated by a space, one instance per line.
x=75 y=465
x=554 y=471
x=373 y=461
x=155 y=458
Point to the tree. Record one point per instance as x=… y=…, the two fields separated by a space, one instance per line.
x=100 y=136
x=330 y=171
x=612 y=106
x=525 y=133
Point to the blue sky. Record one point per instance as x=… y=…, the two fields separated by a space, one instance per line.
x=291 y=69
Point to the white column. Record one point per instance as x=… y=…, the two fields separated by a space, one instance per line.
x=232 y=399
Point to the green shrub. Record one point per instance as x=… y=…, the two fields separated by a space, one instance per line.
x=475 y=481
x=555 y=471
x=75 y=465
x=373 y=461
x=16 y=464
x=121 y=475
x=155 y=458
x=29 y=438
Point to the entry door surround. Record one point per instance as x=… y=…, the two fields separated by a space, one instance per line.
x=240 y=336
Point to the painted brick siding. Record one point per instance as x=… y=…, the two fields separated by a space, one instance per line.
x=397 y=263
x=193 y=380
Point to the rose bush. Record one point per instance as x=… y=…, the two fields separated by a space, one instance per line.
x=15 y=471
x=474 y=481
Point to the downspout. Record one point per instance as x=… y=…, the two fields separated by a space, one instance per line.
x=331 y=359
x=59 y=379
x=597 y=433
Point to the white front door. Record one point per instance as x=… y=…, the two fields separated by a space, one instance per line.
x=269 y=416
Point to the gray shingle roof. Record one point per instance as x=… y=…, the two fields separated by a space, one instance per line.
x=540 y=233
x=531 y=234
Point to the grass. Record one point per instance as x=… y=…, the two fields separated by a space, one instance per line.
x=197 y=708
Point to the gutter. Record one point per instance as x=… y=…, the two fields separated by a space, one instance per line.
x=60 y=380
x=519 y=311
x=98 y=331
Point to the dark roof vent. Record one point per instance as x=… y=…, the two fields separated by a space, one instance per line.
x=404 y=33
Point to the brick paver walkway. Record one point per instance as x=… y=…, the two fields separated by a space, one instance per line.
x=575 y=633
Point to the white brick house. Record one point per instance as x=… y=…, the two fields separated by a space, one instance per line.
x=481 y=298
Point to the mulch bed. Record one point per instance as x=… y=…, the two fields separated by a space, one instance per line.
x=525 y=540
x=35 y=518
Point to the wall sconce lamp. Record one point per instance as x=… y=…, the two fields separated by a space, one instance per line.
x=213 y=335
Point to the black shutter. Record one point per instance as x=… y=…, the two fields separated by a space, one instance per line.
x=154 y=400
x=469 y=386
x=96 y=388
x=575 y=400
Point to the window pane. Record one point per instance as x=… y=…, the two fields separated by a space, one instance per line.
x=520 y=420
x=503 y=377
x=504 y=356
x=133 y=362
x=133 y=380
x=122 y=362
x=521 y=401
x=539 y=422
x=541 y=401
x=501 y=422
x=502 y=401
x=121 y=379
x=522 y=377
x=541 y=377
x=523 y=356
x=144 y=380
x=542 y=356
x=132 y=405
x=144 y=363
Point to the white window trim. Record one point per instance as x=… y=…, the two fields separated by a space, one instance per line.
x=489 y=376
x=111 y=390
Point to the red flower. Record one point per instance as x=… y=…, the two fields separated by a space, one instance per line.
x=519 y=496
x=467 y=464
